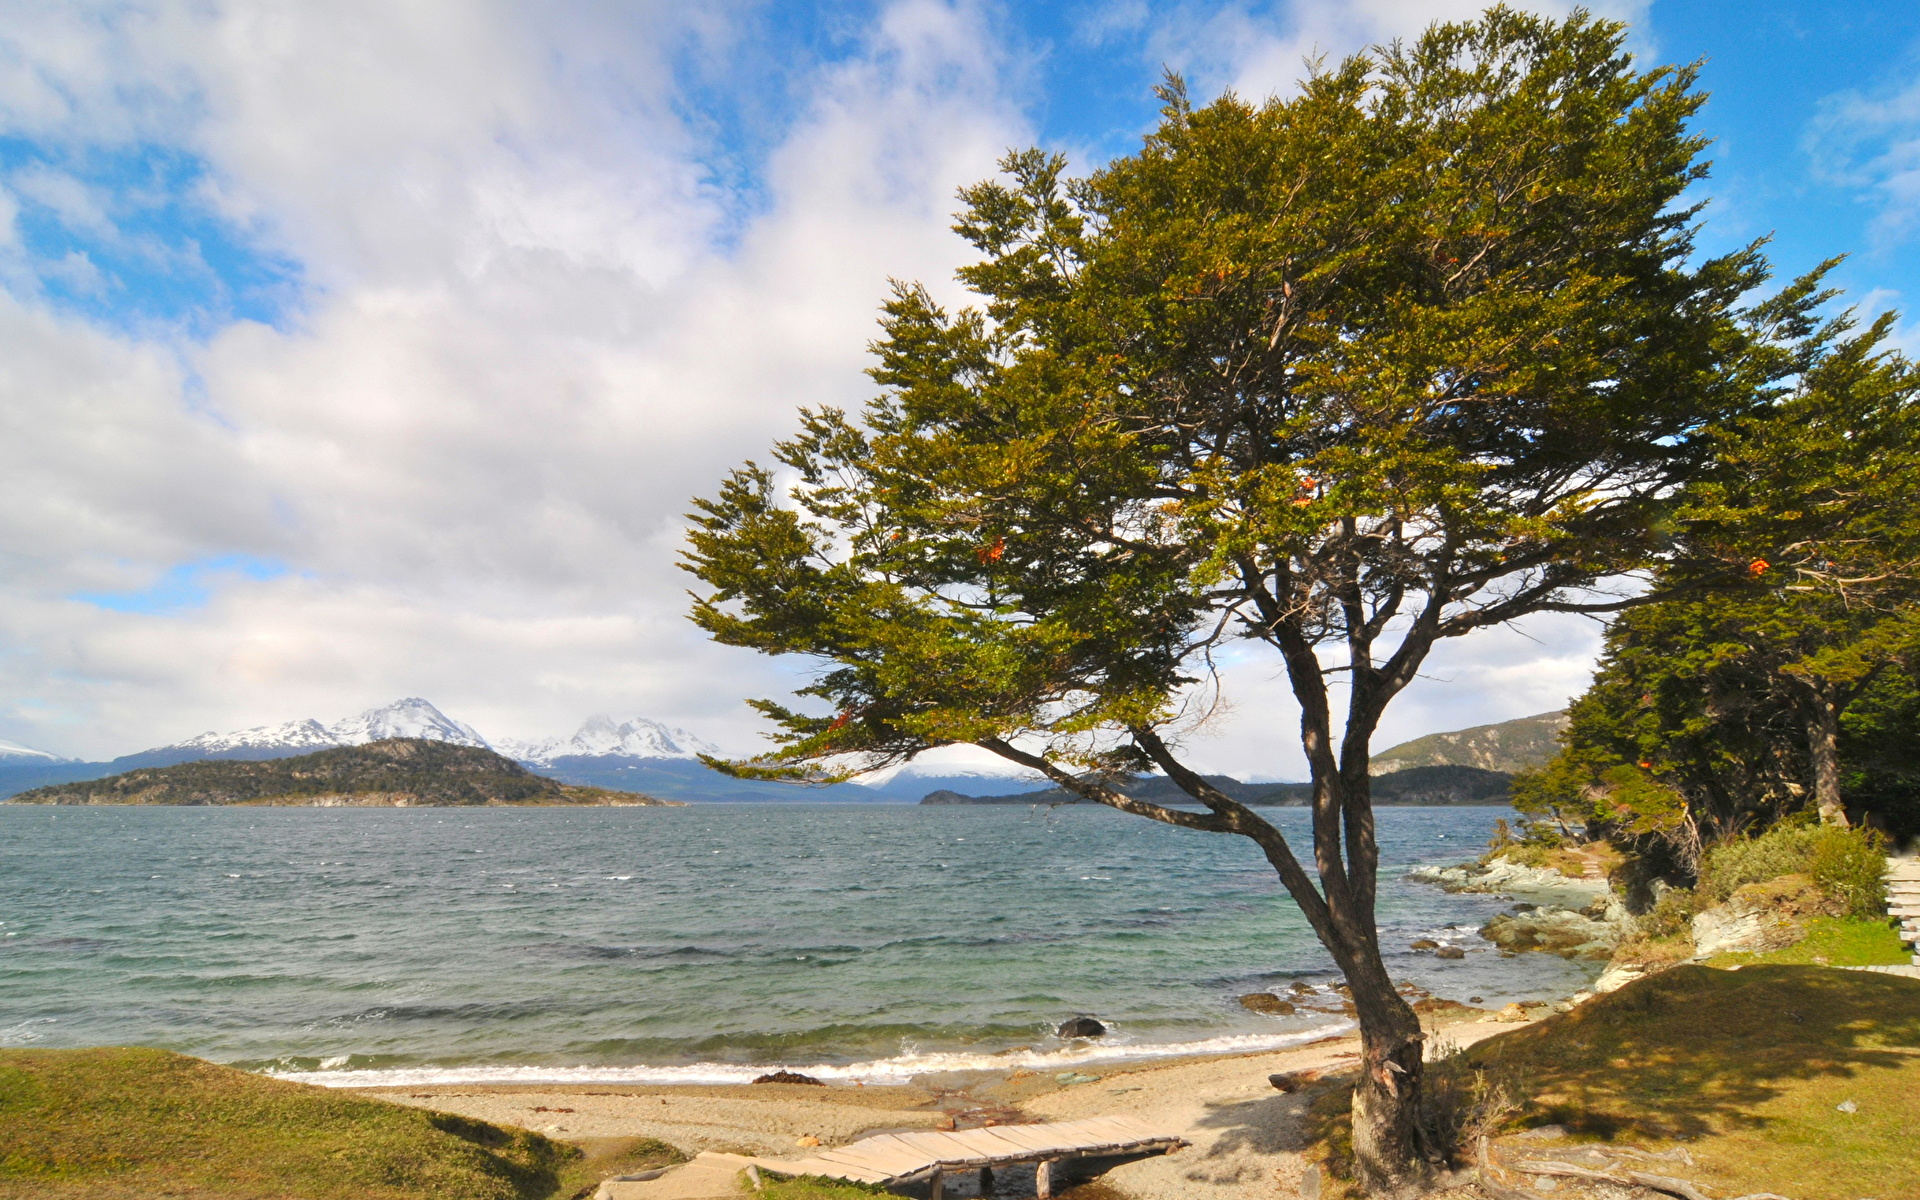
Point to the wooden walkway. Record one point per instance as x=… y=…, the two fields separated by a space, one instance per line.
x=1903 y=900
x=892 y=1158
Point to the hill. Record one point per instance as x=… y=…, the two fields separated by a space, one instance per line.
x=1509 y=746
x=397 y=772
x=1414 y=786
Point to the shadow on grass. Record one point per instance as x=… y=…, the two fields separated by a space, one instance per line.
x=1694 y=1051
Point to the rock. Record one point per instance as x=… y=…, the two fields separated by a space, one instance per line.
x=1081 y=1027
x=808 y=1140
x=1502 y=877
x=1300 y=989
x=1449 y=952
x=1291 y=1081
x=1618 y=975
x=1267 y=1002
x=1512 y=1012
x=1757 y=918
x=1424 y=944
x=1429 y=1005
x=1555 y=930
x=790 y=1077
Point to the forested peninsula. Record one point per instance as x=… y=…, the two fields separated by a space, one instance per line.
x=395 y=773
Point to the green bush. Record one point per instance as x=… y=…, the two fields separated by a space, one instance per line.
x=1847 y=864
x=1671 y=915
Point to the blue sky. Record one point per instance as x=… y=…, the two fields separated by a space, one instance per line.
x=361 y=350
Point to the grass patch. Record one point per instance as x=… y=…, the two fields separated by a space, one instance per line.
x=131 y=1124
x=1832 y=941
x=1747 y=1069
x=814 y=1187
x=603 y=1157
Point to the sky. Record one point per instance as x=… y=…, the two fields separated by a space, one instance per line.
x=366 y=350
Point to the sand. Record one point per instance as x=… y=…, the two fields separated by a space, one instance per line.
x=1245 y=1137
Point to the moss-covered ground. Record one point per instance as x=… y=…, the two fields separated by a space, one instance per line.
x=133 y=1124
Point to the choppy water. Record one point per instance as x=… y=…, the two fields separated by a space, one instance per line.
x=699 y=943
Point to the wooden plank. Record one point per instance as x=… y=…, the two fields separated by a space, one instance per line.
x=890 y=1157
x=1026 y=1135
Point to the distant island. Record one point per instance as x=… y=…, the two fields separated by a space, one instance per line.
x=392 y=773
x=1432 y=785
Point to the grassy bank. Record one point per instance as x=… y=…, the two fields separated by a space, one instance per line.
x=130 y=1124
x=1751 y=1072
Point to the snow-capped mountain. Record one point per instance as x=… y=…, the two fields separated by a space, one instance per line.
x=294 y=737
x=13 y=752
x=409 y=718
x=603 y=736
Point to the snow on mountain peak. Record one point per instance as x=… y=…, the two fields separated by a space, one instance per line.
x=605 y=736
x=15 y=750
x=304 y=735
x=409 y=718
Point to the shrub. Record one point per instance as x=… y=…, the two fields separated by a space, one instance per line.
x=1671 y=915
x=1848 y=865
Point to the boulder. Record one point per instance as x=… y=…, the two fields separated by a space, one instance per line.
x=1081 y=1027
x=1300 y=989
x=1555 y=930
x=1424 y=944
x=1449 y=952
x=1291 y=1081
x=1267 y=1002
x=784 y=1076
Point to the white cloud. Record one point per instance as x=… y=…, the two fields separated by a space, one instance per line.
x=527 y=346
x=1872 y=143
x=534 y=327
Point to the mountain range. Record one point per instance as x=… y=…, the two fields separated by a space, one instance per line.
x=632 y=754
x=636 y=754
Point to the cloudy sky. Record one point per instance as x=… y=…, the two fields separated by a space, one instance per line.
x=358 y=350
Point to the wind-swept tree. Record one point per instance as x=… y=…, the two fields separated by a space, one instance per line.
x=1424 y=348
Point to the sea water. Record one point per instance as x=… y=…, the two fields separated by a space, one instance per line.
x=705 y=943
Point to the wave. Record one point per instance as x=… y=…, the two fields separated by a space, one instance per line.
x=898 y=1069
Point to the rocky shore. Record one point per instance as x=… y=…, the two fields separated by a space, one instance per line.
x=1574 y=917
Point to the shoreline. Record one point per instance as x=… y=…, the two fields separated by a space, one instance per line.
x=1241 y=1130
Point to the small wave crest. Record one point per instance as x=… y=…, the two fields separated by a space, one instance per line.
x=899 y=1069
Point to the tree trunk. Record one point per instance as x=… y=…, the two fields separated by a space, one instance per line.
x=1823 y=747
x=1388 y=1145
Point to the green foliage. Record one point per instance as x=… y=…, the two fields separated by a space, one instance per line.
x=1671 y=915
x=1798 y=598
x=418 y=770
x=1848 y=865
x=111 y=1123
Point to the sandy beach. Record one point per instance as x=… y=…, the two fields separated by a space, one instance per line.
x=1244 y=1136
